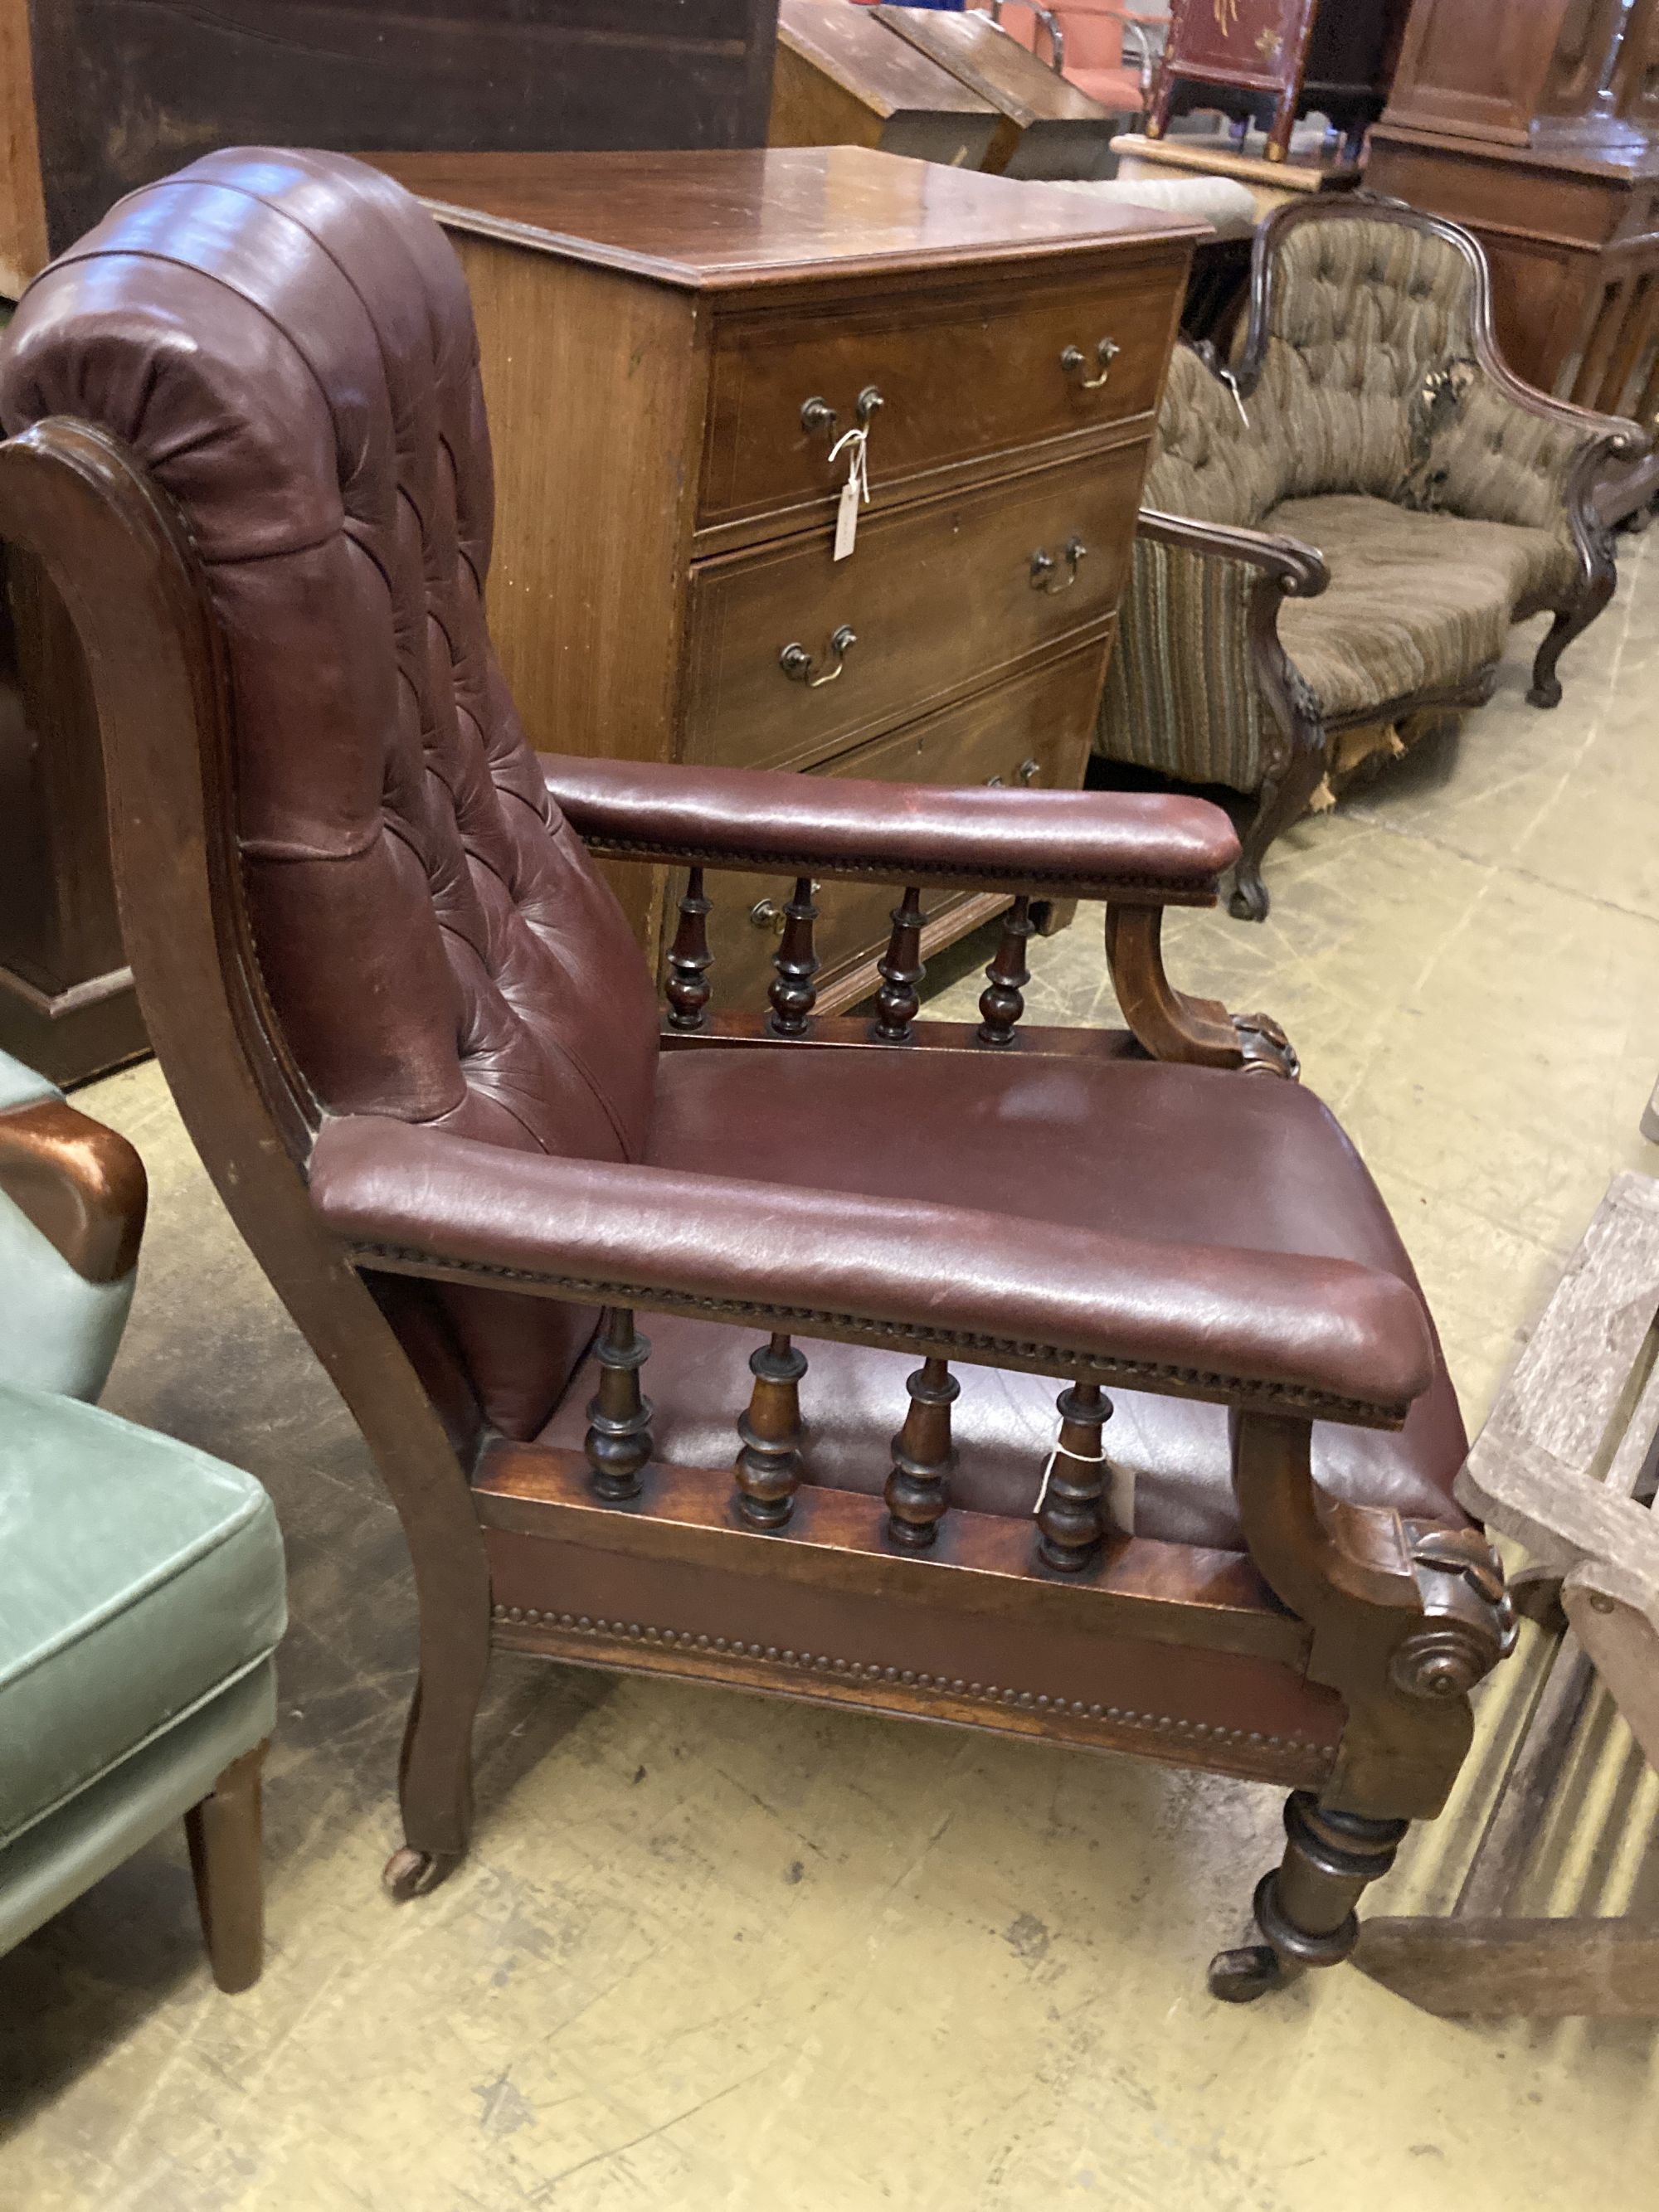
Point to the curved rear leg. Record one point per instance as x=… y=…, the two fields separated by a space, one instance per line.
x=1570 y=622
x=435 y=1774
x=1283 y=799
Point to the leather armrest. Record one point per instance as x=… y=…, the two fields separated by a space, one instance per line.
x=1300 y=567
x=1293 y=1335
x=82 y=1185
x=1136 y=846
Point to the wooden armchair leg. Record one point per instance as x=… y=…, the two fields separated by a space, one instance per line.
x=1304 y=1908
x=224 y=1831
x=1283 y=799
x=1404 y=1623
x=1570 y=622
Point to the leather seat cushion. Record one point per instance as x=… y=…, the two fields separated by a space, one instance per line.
x=1416 y=602
x=139 y=1579
x=1174 y=1154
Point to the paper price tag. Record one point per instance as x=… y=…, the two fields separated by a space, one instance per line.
x=855 y=493
x=847 y=517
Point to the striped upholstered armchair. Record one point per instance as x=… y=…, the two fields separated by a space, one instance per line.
x=1341 y=527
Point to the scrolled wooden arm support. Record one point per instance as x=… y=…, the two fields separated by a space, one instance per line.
x=1297 y=567
x=1168 y=1024
x=1405 y=1617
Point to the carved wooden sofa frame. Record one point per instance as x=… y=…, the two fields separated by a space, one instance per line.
x=1298 y=749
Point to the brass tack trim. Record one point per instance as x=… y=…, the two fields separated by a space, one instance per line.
x=781 y=860
x=1046 y=1358
x=685 y=1639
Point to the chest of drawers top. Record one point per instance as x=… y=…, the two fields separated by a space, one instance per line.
x=687 y=310
x=749 y=219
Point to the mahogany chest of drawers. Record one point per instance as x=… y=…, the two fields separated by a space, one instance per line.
x=675 y=348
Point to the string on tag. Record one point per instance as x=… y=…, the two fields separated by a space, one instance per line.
x=1084 y=1459
x=1229 y=379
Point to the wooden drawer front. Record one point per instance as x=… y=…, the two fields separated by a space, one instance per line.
x=938 y=599
x=959 y=378
x=1032 y=730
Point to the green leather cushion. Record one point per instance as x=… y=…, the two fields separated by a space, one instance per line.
x=139 y=1579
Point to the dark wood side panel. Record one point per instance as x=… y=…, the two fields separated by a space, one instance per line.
x=67 y=1004
x=22 y=216
x=126 y=90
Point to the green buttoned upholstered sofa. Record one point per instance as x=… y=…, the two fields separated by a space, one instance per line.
x=1339 y=529
x=140 y=1581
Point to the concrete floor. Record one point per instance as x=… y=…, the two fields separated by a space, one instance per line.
x=712 y=1950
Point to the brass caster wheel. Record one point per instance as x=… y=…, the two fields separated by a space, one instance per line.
x=410 y=1873
x=1253 y=1970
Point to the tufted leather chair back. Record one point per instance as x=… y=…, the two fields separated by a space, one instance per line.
x=285 y=340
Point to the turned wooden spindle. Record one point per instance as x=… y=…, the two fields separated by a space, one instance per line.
x=918 y=1489
x=1002 y=1001
x=689 y=960
x=1070 y=1520
x=794 y=965
x=619 y=1440
x=769 y=1466
x=901 y=970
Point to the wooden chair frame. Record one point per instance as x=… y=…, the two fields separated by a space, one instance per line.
x=1290 y=570
x=1391 y=1623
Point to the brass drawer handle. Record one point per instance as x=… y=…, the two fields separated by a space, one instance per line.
x=816 y=413
x=796 y=661
x=768 y=914
x=1045 y=568
x=1106 y=353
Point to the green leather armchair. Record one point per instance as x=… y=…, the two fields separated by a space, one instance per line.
x=140 y=1581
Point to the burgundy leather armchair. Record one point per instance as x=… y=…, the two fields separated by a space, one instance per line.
x=421 y=1057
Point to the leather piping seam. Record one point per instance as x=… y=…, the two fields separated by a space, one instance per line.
x=894 y=869
x=873 y=1672
x=1232 y=1389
